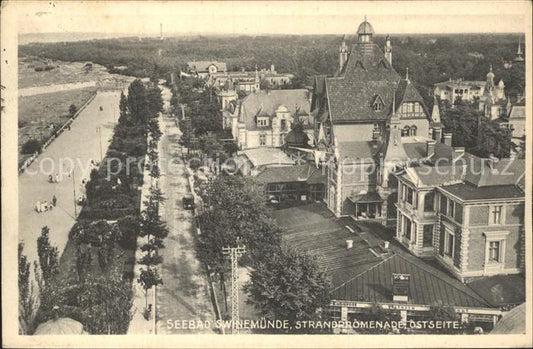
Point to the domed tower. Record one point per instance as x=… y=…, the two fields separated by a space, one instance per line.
x=365 y=32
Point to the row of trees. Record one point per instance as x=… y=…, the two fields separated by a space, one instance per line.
x=97 y=290
x=152 y=228
x=285 y=283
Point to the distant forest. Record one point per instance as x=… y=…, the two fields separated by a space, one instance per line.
x=430 y=58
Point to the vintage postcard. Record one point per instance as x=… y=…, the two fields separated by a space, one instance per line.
x=266 y=174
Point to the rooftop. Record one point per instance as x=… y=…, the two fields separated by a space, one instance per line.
x=297 y=173
x=469 y=192
x=203 y=66
x=266 y=156
x=513 y=322
x=427 y=285
x=359 y=274
x=366 y=74
x=267 y=102
x=501 y=290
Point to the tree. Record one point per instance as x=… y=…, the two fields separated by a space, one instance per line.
x=27 y=298
x=48 y=256
x=137 y=102
x=149 y=277
x=123 y=105
x=289 y=285
x=102 y=303
x=72 y=109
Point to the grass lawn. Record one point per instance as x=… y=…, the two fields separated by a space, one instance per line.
x=37 y=112
x=63 y=73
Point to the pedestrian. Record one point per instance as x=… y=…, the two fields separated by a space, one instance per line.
x=50 y=178
x=57 y=178
x=54 y=200
x=38 y=207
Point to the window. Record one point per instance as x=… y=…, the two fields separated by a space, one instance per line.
x=429 y=199
x=427 y=239
x=262 y=122
x=496 y=215
x=451 y=208
x=409 y=196
x=494 y=251
x=262 y=140
x=405 y=131
x=407 y=227
x=449 y=240
x=283 y=124
x=282 y=138
x=417 y=108
x=413 y=131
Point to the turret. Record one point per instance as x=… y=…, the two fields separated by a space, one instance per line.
x=388 y=50
x=257 y=81
x=343 y=53
x=518 y=56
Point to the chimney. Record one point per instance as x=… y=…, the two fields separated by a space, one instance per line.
x=272 y=70
x=349 y=244
x=430 y=148
x=447 y=139
x=437 y=134
x=457 y=152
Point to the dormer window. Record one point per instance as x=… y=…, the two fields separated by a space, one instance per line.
x=262 y=122
x=378 y=103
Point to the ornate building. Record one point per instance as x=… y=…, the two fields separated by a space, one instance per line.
x=265 y=118
x=369 y=120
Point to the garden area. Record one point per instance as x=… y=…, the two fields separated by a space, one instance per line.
x=91 y=282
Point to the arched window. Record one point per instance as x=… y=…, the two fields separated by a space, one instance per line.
x=413 y=130
x=405 y=131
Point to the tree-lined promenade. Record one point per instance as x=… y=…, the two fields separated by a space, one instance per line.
x=90 y=281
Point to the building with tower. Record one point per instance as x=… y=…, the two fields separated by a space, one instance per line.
x=370 y=121
x=494 y=103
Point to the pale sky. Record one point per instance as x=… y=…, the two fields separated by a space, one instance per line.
x=143 y=18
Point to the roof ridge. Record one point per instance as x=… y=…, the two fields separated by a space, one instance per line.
x=361 y=273
x=440 y=278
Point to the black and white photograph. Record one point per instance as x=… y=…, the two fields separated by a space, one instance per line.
x=266 y=174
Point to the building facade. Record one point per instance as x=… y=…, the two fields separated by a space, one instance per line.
x=369 y=120
x=204 y=69
x=453 y=90
x=265 y=118
x=467 y=213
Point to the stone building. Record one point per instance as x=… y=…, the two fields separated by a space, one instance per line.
x=467 y=212
x=370 y=120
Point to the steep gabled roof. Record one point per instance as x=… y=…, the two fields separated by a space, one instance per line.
x=366 y=74
x=265 y=103
x=406 y=92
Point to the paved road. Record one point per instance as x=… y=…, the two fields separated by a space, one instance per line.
x=184 y=294
x=80 y=144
